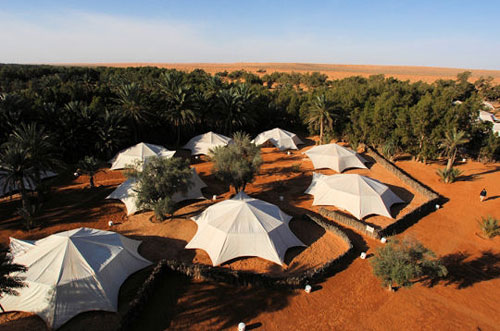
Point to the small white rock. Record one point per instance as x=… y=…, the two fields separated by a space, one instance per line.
x=241 y=326
x=363 y=255
x=308 y=288
x=383 y=240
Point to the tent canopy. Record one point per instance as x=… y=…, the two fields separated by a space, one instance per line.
x=126 y=192
x=359 y=195
x=28 y=183
x=243 y=226
x=73 y=271
x=140 y=152
x=487 y=117
x=280 y=138
x=203 y=143
x=335 y=157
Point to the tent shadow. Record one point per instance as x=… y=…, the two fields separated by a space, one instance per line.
x=228 y=305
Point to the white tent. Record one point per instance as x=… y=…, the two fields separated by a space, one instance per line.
x=487 y=117
x=73 y=271
x=359 y=195
x=139 y=152
x=28 y=184
x=282 y=139
x=203 y=143
x=126 y=193
x=335 y=157
x=243 y=226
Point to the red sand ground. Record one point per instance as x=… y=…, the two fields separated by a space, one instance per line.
x=351 y=299
x=333 y=71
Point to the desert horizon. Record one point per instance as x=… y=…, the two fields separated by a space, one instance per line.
x=427 y=74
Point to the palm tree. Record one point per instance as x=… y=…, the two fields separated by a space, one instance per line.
x=132 y=100
x=452 y=139
x=234 y=107
x=177 y=96
x=89 y=166
x=10 y=280
x=111 y=132
x=37 y=144
x=16 y=170
x=321 y=114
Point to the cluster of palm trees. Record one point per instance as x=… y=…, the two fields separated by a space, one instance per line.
x=28 y=152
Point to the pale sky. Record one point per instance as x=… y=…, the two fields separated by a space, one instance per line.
x=463 y=34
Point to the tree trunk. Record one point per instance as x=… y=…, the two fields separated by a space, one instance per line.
x=321 y=132
x=451 y=160
x=91 y=179
x=178 y=135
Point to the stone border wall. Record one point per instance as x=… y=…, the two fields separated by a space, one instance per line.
x=235 y=277
x=402 y=223
x=349 y=221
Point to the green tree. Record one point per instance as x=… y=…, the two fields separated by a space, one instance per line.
x=158 y=182
x=452 y=139
x=321 y=115
x=16 y=171
x=39 y=148
x=176 y=95
x=234 y=107
x=237 y=164
x=402 y=263
x=10 y=278
x=133 y=103
x=89 y=166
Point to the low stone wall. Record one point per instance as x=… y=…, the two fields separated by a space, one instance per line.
x=406 y=220
x=405 y=177
x=143 y=294
x=349 y=221
x=235 y=277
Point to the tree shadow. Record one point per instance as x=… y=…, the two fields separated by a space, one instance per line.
x=472 y=177
x=464 y=273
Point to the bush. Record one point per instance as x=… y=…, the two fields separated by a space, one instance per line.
x=296 y=167
x=238 y=163
x=404 y=262
x=489 y=226
x=159 y=181
x=448 y=176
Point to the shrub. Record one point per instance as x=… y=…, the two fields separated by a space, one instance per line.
x=404 y=262
x=238 y=163
x=448 y=176
x=489 y=226
x=159 y=181
x=296 y=167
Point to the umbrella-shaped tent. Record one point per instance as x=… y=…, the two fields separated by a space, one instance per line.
x=140 y=152
x=243 y=226
x=335 y=157
x=359 y=195
x=28 y=183
x=282 y=139
x=73 y=271
x=126 y=193
x=203 y=143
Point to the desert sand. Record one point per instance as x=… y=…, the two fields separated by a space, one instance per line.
x=352 y=299
x=333 y=71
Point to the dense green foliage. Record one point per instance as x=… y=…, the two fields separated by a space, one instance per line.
x=489 y=226
x=237 y=163
x=98 y=111
x=404 y=262
x=10 y=278
x=157 y=183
